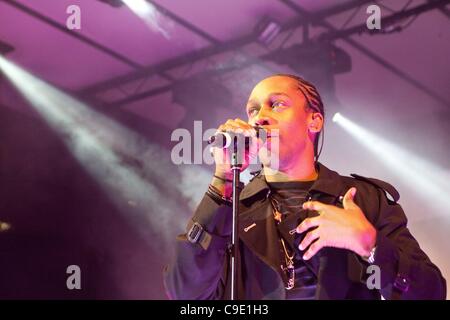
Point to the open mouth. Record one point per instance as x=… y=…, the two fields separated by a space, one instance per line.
x=266 y=133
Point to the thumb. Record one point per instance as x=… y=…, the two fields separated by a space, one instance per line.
x=348 y=198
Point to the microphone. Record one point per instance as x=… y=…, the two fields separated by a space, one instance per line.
x=224 y=139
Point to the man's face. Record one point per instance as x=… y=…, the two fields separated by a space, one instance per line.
x=277 y=103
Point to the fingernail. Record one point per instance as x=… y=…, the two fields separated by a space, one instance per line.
x=353 y=192
x=305 y=257
x=300 y=247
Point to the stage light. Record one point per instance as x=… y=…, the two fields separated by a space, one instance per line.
x=148 y=13
x=140 y=6
x=316 y=61
x=113 y=3
x=144 y=10
x=336 y=117
x=4 y=226
x=429 y=181
x=268 y=30
x=134 y=174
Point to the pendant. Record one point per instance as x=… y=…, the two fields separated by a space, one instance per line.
x=277 y=215
x=290 y=273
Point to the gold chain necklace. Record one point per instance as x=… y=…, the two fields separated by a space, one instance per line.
x=288 y=267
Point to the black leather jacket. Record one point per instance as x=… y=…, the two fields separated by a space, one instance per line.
x=200 y=270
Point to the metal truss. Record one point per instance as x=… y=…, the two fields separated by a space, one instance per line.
x=216 y=48
x=314 y=19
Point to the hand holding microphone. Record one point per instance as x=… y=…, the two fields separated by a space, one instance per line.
x=231 y=131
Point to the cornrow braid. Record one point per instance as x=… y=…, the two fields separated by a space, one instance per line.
x=315 y=103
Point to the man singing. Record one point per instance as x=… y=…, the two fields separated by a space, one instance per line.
x=305 y=231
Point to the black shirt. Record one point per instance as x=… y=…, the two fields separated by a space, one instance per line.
x=288 y=198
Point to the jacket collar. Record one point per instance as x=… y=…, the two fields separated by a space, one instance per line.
x=328 y=182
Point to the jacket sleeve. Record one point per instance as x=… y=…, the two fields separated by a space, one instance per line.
x=406 y=271
x=198 y=271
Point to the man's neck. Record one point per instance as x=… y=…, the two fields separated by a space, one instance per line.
x=304 y=171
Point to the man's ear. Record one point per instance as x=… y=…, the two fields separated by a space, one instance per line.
x=315 y=122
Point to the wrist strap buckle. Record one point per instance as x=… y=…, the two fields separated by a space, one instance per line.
x=195 y=232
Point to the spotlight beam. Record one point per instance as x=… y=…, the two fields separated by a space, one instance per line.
x=78 y=36
x=148 y=13
x=35 y=14
x=413 y=170
x=103 y=146
x=186 y=24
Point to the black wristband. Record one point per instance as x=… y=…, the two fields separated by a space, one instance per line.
x=216 y=196
x=223 y=179
x=240 y=186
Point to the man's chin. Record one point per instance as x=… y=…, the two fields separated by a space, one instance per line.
x=269 y=158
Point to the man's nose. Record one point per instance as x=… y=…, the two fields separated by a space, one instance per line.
x=262 y=119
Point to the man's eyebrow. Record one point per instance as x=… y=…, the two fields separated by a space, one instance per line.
x=273 y=94
x=278 y=94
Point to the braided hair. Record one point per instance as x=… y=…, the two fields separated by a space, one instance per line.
x=315 y=103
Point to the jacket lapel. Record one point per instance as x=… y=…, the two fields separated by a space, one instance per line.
x=258 y=232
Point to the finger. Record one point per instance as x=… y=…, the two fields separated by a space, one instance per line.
x=233 y=129
x=313 y=249
x=244 y=124
x=315 y=205
x=308 y=223
x=220 y=137
x=232 y=126
x=229 y=121
x=239 y=124
x=214 y=150
x=226 y=127
x=220 y=156
x=309 y=238
x=229 y=124
x=348 y=202
x=220 y=128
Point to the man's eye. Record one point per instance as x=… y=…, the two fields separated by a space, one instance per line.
x=252 y=112
x=278 y=104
